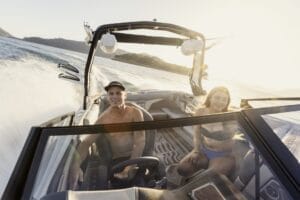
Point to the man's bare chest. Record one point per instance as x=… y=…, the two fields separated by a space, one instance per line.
x=119 y=119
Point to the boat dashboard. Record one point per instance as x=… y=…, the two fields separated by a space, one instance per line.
x=204 y=184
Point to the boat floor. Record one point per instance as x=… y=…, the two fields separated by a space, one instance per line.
x=169 y=147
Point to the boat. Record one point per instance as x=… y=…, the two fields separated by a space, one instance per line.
x=266 y=147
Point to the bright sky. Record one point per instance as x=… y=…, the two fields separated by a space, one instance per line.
x=261 y=37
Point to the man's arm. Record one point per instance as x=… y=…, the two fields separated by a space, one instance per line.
x=83 y=147
x=139 y=137
x=80 y=154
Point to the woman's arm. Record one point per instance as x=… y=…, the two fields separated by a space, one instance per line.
x=197 y=139
x=197 y=132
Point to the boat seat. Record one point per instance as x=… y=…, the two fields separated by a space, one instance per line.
x=96 y=178
x=174 y=114
x=245 y=180
x=159 y=115
x=247 y=170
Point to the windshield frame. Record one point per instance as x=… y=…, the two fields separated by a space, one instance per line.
x=246 y=103
x=246 y=118
x=281 y=160
x=131 y=38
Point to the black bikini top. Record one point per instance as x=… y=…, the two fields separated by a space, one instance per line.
x=217 y=135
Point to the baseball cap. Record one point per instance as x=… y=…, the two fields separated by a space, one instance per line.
x=114 y=84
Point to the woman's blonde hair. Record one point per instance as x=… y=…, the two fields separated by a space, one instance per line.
x=215 y=90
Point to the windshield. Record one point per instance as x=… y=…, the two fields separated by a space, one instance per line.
x=141 y=67
x=234 y=162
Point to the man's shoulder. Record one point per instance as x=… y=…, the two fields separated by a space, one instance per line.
x=103 y=116
x=133 y=108
x=104 y=113
x=136 y=113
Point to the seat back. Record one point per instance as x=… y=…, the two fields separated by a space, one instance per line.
x=247 y=170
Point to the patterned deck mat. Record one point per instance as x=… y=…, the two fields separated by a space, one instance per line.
x=170 y=147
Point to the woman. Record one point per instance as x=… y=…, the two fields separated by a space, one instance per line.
x=213 y=142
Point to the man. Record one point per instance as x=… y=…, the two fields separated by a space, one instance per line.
x=122 y=144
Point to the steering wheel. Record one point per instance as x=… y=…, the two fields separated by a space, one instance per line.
x=145 y=162
x=100 y=180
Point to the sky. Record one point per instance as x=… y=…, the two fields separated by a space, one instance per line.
x=64 y=18
x=259 y=38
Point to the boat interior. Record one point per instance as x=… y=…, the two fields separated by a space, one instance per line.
x=169 y=146
x=165 y=147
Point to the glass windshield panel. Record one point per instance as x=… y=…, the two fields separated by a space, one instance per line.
x=287 y=127
x=154 y=67
x=220 y=165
